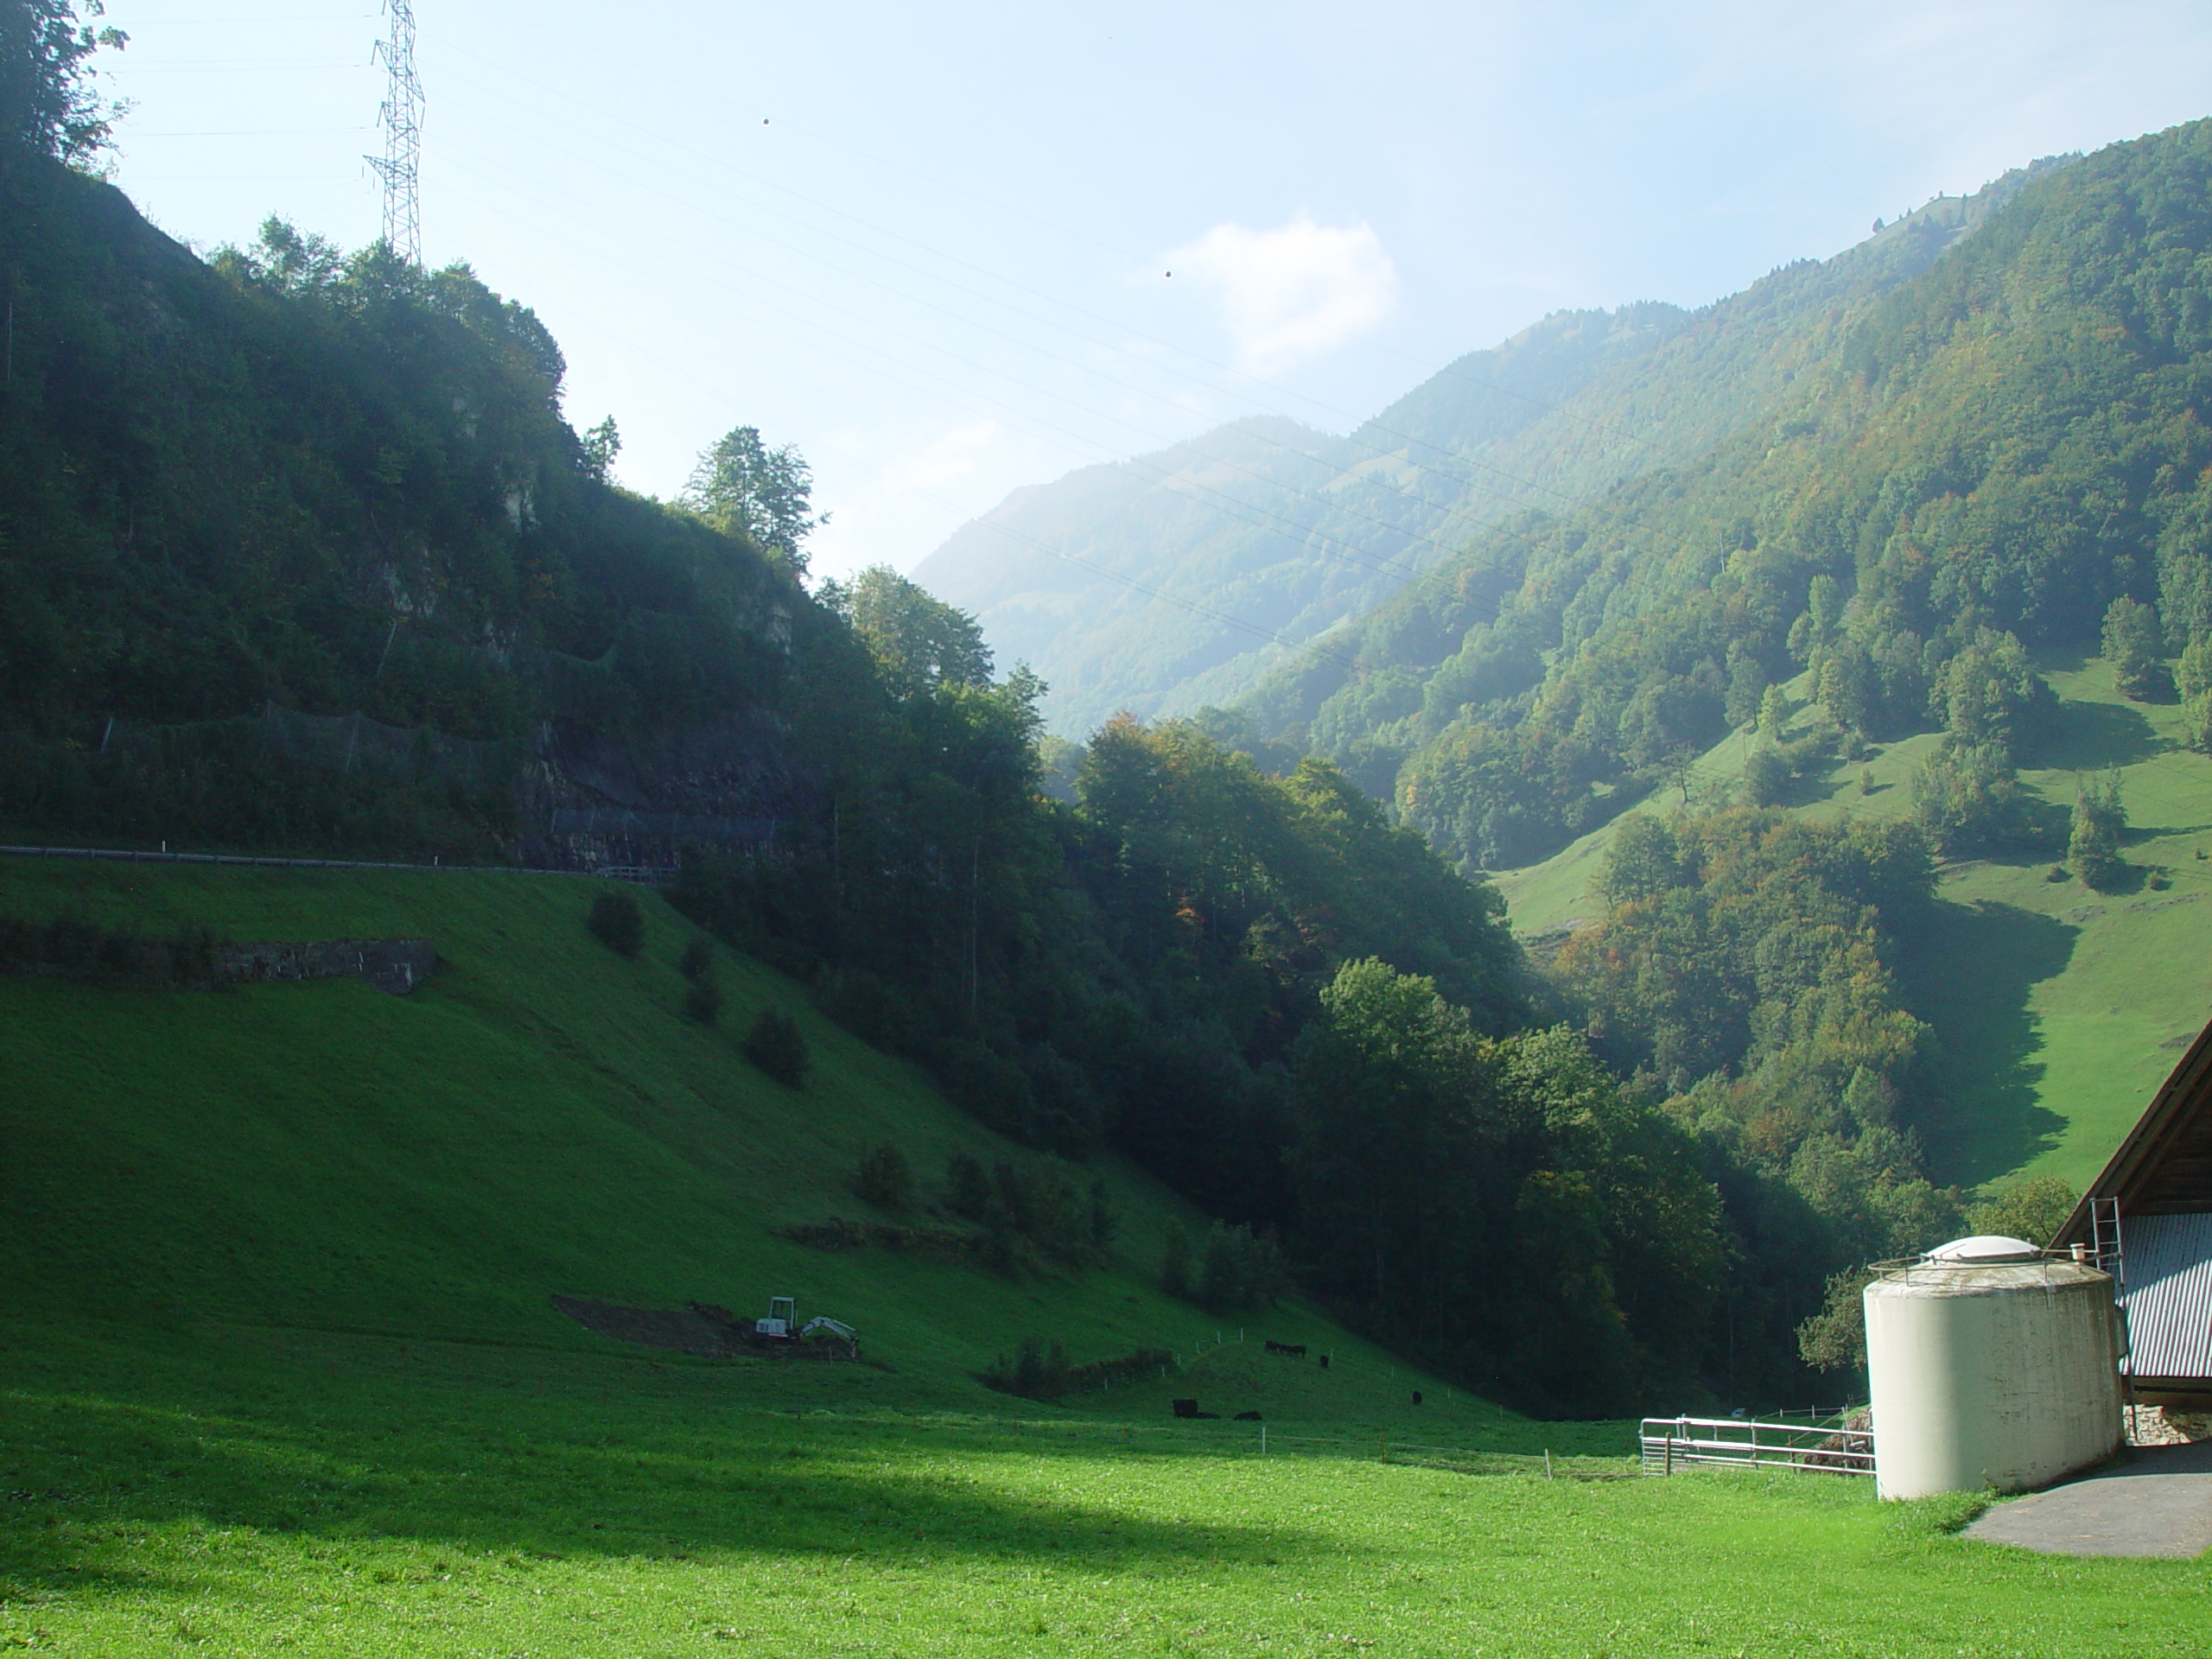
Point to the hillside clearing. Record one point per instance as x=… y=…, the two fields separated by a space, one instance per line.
x=2059 y=1010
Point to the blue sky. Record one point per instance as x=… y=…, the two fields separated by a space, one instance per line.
x=931 y=245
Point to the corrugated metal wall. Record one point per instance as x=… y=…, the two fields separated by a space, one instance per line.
x=2169 y=1296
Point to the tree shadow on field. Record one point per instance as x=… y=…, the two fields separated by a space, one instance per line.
x=1969 y=976
x=2092 y=736
x=356 y=1463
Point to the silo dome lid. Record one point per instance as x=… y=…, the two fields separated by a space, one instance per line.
x=1985 y=1248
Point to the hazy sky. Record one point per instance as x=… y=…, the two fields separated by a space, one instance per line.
x=930 y=245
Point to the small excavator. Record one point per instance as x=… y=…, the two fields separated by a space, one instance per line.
x=782 y=1326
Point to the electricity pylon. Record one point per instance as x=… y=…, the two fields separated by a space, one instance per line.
x=401 y=121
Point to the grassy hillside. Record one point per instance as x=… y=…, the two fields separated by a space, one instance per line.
x=538 y=1119
x=282 y=1379
x=2059 y=1010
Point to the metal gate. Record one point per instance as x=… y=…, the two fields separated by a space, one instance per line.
x=1831 y=1447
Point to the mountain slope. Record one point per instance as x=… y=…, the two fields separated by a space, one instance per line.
x=1124 y=586
x=2056 y=1010
x=2008 y=441
x=1260 y=523
x=539 y=1118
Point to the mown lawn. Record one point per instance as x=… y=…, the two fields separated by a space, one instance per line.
x=228 y=1491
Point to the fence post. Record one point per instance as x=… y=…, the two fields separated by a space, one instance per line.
x=1264 y=1440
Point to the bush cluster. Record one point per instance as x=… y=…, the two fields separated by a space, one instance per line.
x=1041 y=1371
x=70 y=947
x=617 y=923
x=886 y=1179
x=704 y=1001
x=1030 y=1213
x=777 y=1047
x=1239 y=1268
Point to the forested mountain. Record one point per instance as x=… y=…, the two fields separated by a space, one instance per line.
x=1988 y=456
x=1890 y=481
x=1125 y=584
x=1179 y=579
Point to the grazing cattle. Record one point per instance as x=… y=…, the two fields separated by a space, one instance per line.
x=1248 y=1416
x=1184 y=1408
x=1295 y=1350
x=1416 y=1396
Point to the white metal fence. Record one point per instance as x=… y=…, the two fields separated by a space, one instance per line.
x=1834 y=1445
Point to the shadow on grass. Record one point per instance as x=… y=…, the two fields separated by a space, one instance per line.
x=137 y=1440
x=1970 y=976
x=2091 y=737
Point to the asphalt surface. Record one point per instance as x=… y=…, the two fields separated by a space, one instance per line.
x=2156 y=1503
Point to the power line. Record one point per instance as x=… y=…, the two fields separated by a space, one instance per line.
x=401 y=118
x=1446 y=462
x=1615 y=428
x=1395 y=567
x=1317 y=646
x=249 y=132
x=1193 y=607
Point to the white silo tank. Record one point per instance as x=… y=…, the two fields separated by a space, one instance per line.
x=1992 y=1365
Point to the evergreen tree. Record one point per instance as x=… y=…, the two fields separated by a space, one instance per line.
x=2100 y=821
x=2131 y=646
x=1774 y=713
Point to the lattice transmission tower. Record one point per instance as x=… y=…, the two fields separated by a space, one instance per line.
x=401 y=121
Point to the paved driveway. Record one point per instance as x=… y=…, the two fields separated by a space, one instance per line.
x=2159 y=1503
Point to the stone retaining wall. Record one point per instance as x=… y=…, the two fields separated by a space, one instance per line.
x=397 y=966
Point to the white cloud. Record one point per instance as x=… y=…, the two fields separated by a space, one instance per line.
x=1293 y=294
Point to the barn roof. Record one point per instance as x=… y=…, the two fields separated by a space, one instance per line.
x=2164 y=1166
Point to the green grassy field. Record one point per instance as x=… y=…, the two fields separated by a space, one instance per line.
x=2059 y=1010
x=204 y=1490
